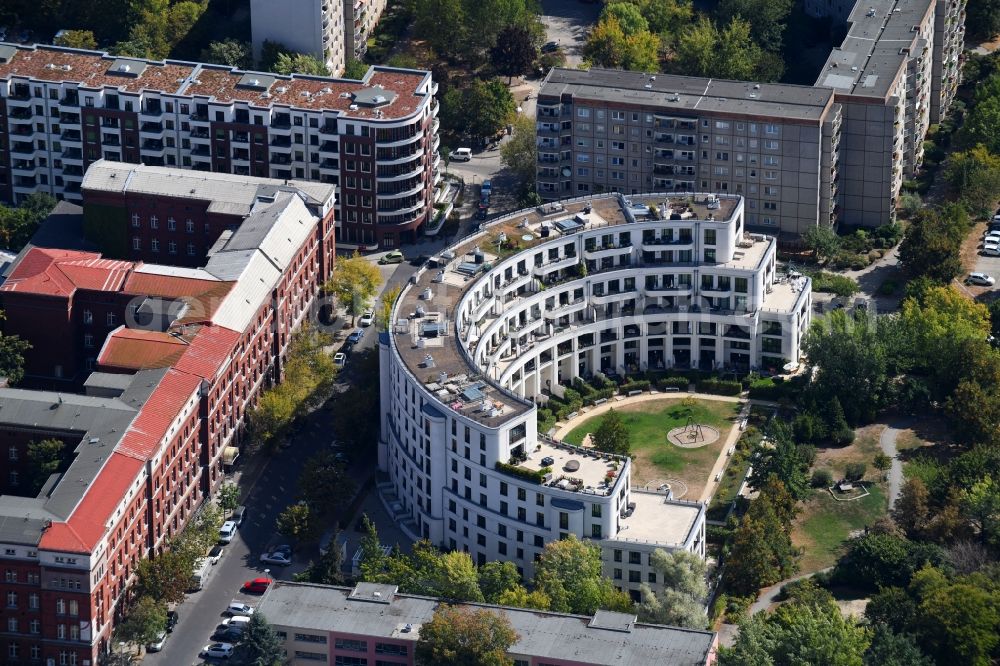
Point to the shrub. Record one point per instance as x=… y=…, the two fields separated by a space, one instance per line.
x=521 y=472
x=842 y=436
x=888 y=288
x=855 y=471
x=822 y=478
x=841 y=285
x=719 y=386
x=680 y=383
x=636 y=385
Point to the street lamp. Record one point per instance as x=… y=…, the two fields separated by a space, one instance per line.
x=121 y=652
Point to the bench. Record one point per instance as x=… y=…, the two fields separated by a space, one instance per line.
x=572 y=415
x=632 y=394
x=671 y=389
x=600 y=401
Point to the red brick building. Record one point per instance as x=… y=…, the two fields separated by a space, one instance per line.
x=183 y=353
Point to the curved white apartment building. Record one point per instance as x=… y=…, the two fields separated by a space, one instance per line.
x=596 y=284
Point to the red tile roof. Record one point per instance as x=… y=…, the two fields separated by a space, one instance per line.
x=137 y=349
x=164 y=405
x=208 y=352
x=91 y=69
x=88 y=522
x=62 y=272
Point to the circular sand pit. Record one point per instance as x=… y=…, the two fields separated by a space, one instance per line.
x=693 y=436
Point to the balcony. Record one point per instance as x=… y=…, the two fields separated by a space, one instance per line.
x=71 y=136
x=199 y=133
x=21 y=113
x=110 y=140
x=281 y=159
x=69 y=118
x=201 y=151
x=151 y=128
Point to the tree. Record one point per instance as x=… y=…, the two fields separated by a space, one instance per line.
x=875 y=561
x=762 y=552
x=695 y=51
x=667 y=18
x=767 y=17
x=822 y=240
x=932 y=243
x=806 y=630
x=882 y=462
x=961 y=622
x=682 y=603
x=514 y=53
x=299 y=63
x=737 y=55
x=628 y=15
x=324 y=486
x=373 y=559
x=974 y=175
x=569 y=573
x=891 y=649
x=329 y=569
x=488 y=106
x=232 y=52
x=606 y=45
x=519 y=597
x=355 y=69
x=12 y=349
x=354 y=283
x=642 y=52
x=77 y=39
x=259 y=644
x=781 y=459
x=983 y=18
x=465 y=637
x=44 y=459
x=143 y=621
x=496 y=578
x=296 y=521
x=229 y=497
x=165 y=577
x=704 y=50
x=981 y=503
x=520 y=153
x=612 y=435
x=442 y=24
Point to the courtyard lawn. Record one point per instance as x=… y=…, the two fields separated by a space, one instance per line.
x=824 y=524
x=656 y=460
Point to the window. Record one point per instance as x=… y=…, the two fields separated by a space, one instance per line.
x=12 y=454
x=634 y=577
x=136 y=243
x=595 y=510
x=171 y=224
x=389 y=648
x=88 y=340
x=312 y=656
x=135 y=220
x=153 y=222
x=595 y=531
x=618 y=555
x=110 y=319
x=189 y=226
x=634 y=557
x=190 y=249
x=154 y=245
x=88 y=317
x=347 y=661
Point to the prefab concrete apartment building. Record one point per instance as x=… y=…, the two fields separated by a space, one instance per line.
x=375 y=139
x=835 y=152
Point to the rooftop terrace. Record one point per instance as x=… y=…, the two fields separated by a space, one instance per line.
x=655 y=519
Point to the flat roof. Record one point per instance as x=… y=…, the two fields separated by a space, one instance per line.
x=606 y=639
x=655 y=519
x=404 y=91
x=570 y=463
x=879 y=36
x=225 y=193
x=690 y=95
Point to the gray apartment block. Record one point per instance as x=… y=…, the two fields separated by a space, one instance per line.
x=837 y=151
x=611 y=131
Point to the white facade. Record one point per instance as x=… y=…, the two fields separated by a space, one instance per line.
x=477 y=339
x=313 y=27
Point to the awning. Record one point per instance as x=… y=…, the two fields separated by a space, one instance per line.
x=229 y=455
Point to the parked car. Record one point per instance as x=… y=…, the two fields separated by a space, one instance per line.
x=218 y=651
x=215 y=554
x=234 y=626
x=394 y=257
x=157 y=643
x=238 y=515
x=339 y=359
x=368 y=318
x=550 y=47
x=240 y=608
x=487 y=187
x=227 y=531
x=981 y=279
x=279 y=559
x=342 y=458
x=257 y=585
x=172 y=618
x=461 y=155
x=355 y=337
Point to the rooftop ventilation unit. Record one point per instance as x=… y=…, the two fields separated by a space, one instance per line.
x=442 y=377
x=427 y=295
x=673 y=97
x=428 y=361
x=353 y=107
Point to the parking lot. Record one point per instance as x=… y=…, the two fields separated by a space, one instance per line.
x=984 y=264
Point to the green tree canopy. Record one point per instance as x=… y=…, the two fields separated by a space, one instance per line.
x=612 y=435
x=259 y=644
x=515 y=51
x=520 y=153
x=682 y=603
x=77 y=39
x=299 y=63
x=143 y=621
x=354 y=283
x=297 y=522
x=465 y=637
x=45 y=457
x=569 y=574
x=629 y=17
x=232 y=52
x=974 y=175
x=767 y=18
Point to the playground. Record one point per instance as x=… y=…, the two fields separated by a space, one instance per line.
x=675 y=441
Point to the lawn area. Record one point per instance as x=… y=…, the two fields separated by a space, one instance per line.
x=864 y=449
x=825 y=523
x=655 y=460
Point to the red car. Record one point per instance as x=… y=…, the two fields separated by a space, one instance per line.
x=258 y=585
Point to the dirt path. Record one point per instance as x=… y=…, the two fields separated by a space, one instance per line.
x=887 y=441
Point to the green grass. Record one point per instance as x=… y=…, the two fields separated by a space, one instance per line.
x=825 y=524
x=648 y=424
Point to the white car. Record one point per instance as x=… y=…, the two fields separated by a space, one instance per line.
x=992 y=235
x=281 y=559
x=461 y=155
x=355 y=337
x=218 y=650
x=239 y=608
x=981 y=279
x=157 y=644
x=227 y=531
x=368 y=318
x=992 y=249
x=339 y=359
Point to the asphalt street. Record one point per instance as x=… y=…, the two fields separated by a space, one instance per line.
x=276 y=487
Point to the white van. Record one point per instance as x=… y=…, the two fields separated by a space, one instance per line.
x=227 y=531
x=461 y=155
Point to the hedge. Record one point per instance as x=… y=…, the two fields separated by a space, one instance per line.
x=679 y=383
x=521 y=472
x=635 y=385
x=719 y=386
